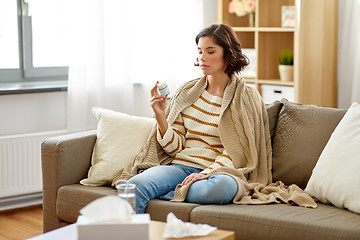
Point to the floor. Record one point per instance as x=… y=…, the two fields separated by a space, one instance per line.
x=21 y=223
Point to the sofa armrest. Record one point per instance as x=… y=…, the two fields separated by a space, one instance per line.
x=65 y=160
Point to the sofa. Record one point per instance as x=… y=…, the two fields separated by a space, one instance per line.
x=299 y=134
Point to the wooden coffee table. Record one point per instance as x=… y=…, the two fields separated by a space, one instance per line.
x=156 y=233
x=157 y=229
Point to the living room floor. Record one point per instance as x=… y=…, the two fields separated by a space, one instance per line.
x=21 y=223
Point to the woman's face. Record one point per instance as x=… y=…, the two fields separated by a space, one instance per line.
x=210 y=56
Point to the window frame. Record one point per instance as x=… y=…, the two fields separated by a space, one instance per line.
x=26 y=71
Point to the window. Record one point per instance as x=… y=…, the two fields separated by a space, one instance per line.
x=32 y=41
x=9 y=57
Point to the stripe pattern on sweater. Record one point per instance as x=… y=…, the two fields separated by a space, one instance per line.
x=193 y=139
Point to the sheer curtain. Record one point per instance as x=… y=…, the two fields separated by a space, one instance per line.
x=119 y=49
x=349 y=53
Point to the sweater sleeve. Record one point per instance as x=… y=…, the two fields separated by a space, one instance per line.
x=223 y=160
x=173 y=140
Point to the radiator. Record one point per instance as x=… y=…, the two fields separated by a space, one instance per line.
x=20 y=164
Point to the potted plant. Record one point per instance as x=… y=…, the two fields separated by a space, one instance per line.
x=286 y=68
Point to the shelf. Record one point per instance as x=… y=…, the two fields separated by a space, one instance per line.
x=275 y=82
x=270 y=12
x=264 y=29
x=268 y=81
x=244 y=29
x=276 y=29
x=247 y=39
x=269 y=48
x=313 y=41
x=250 y=80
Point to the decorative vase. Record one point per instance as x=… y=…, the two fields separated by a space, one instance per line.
x=251 y=19
x=286 y=73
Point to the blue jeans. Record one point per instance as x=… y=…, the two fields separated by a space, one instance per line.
x=160 y=182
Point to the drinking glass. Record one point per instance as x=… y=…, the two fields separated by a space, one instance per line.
x=126 y=191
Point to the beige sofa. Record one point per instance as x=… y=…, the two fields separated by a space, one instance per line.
x=299 y=133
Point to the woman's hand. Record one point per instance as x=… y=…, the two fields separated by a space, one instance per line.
x=158 y=104
x=192 y=177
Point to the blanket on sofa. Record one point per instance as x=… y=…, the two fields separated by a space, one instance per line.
x=244 y=126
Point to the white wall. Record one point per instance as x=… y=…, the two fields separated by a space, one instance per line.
x=210 y=12
x=348 y=73
x=142 y=91
x=38 y=112
x=32 y=112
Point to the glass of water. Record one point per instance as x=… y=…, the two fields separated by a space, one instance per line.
x=126 y=191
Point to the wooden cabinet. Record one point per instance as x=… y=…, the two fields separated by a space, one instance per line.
x=313 y=41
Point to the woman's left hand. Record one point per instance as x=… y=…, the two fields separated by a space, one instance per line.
x=192 y=177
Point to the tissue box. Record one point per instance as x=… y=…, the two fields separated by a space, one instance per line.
x=137 y=229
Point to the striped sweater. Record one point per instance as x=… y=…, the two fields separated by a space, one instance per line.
x=244 y=132
x=193 y=139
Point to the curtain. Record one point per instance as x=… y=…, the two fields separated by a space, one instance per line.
x=120 y=48
x=348 y=53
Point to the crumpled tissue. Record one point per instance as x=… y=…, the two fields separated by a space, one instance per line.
x=107 y=209
x=175 y=228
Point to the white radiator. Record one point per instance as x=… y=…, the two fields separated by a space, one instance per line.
x=20 y=164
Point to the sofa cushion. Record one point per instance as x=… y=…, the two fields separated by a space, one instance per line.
x=71 y=198
x=120 y=137
x=273 y=110
x=280 y=221
x=336 y=177
x=301 y=134
x=159 y=209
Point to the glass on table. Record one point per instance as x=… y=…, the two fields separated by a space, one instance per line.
x=127 y=191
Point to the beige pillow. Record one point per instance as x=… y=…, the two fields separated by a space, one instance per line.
x=301 y=134
x=336 y=177
x=120 y=137
x=273 y=110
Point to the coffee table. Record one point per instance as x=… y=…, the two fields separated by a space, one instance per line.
x=156 y=233
x=157 y=230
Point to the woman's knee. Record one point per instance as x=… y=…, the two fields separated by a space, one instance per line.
x=217 y=189
x=222 y=185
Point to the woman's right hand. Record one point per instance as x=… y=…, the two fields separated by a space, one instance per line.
x=158 y=104
x=157 y=101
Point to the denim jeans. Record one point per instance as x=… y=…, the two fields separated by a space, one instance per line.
x=160 y=182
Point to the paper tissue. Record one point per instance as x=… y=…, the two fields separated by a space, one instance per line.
x=110 y=218
x=175 y=228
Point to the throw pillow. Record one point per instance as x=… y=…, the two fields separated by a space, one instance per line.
x=336 y=177
x=301 y=134
x=273 y=110
x=120 y=137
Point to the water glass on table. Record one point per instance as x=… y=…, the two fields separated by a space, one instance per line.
x=126 y=191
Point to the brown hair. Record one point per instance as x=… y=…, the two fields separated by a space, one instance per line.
x=225 y=37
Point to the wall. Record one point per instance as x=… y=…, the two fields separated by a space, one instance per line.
x=38 y=112
x=27 y=113
x=32 y=112
x=142 y=91
x=348 y=73
x=210 y=12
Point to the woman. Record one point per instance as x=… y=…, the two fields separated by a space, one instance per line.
x=214 y=134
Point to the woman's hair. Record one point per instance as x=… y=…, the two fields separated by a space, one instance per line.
x=225 y=37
